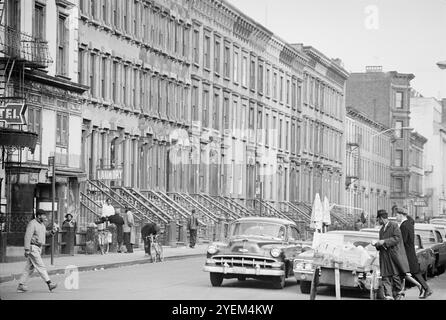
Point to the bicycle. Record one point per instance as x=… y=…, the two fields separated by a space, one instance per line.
x=157 y=248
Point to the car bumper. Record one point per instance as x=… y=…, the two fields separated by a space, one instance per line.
x=244 y=271
x=302 y=275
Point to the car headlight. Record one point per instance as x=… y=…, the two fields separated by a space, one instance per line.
x=212 y=249
x=275 y=252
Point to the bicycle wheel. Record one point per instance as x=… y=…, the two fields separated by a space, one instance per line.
x=153 y=252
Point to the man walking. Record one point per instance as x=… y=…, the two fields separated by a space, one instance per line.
x=392 y=256
x=192 y=225
x=34 y=240
x=408 y=236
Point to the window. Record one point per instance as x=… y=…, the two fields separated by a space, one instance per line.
x=275 y=86
x=62 y=46
x=104 y=77
x=260 y=78
x=399 y=101
x=267 y=132
x=280 y=133
x=115 y=13
x=398 y=158
x=227 y=61
x=251 y=118
x=207 y=52
x=398 y=130
x=217 y=57
x=287 y=127
x=205 y=108
x=124 y=85
x=114 y=80
x=80 y=66
x=226 y=114
x=34 y=125
x=194 y=103
x=216 y=112
x=398 y=184
x=268 y=82
x=39 y=21
x=104 y=11
x=252 y=75
x=236 y=65
x=92 y=75
x=288 y=92
x=245 y=71
x=185 y=42
x=196 y=51
x=281 y=88
x=93 y=8
x=62 y=139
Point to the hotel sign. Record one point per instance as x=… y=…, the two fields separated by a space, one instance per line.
x=109 y=174
x=13 y=113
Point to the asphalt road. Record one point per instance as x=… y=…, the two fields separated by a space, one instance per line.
x=170 y=280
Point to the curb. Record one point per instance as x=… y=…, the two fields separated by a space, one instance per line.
x=101 y=267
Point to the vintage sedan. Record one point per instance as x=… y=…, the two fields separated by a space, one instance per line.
x=257 y=247
x=353 y=278
x=432 y=239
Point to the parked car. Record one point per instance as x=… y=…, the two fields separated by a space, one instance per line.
x=257 y=247
x=438 y=220
x=432 y=239
x=304 y=268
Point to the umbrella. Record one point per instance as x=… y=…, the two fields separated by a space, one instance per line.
x=316 y=213
x=326 y=219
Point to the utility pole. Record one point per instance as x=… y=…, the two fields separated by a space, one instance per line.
x=51 y=162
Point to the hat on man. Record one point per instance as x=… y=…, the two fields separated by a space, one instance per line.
x=402 y=211
x=39 y=212
x=68 y=214
x=382 y=214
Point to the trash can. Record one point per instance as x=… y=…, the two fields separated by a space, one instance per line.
x=68 y=239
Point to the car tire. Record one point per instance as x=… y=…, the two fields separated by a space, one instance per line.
x=440 y=269
x=305 y=287
x=279 y=282
x=216 y=279
x=241 y=278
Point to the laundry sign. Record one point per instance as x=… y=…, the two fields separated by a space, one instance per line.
x=109 y=174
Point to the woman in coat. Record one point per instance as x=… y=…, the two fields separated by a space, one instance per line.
x=408 y=236
x=129 y=230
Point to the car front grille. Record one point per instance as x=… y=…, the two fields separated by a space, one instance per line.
x=243 y=261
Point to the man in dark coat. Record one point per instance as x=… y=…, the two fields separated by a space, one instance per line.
x=118 y=221
x=192 y=225
x=392 y=256
x=408 y=235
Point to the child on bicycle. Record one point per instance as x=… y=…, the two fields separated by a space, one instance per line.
x=146 y=231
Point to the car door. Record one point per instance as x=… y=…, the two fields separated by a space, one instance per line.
x=441 y=248
x=424 y=255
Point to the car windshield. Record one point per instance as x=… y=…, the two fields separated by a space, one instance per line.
x=427 y=236
x=259 y=229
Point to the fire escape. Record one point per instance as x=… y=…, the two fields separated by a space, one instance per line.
x=19 y=53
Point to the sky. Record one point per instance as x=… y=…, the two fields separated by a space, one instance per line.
x=408 y=36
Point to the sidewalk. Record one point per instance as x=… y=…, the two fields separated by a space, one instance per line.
x=438 y=286
x=12 y=270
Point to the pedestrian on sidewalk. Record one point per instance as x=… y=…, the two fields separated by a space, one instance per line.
x=35 y=236
x=129 y=230
x=408 y=234
x=103 y=234
x=149 y=229
x=192 y=226
x=118 y=221
x=392 y=256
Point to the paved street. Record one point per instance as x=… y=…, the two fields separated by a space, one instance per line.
x=177 y=279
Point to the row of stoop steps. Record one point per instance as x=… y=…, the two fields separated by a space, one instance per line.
x=341 y=215
x=208 y=218
x=215 y=206
x=233 y=205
